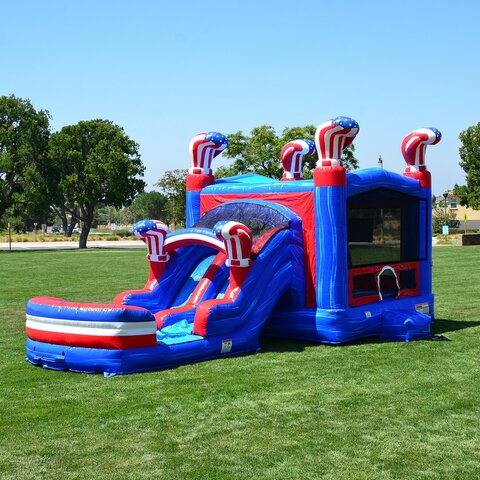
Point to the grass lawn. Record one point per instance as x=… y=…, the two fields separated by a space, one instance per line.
x=368 y=410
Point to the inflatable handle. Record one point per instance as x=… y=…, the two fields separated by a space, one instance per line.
x=292 y=158
x=238 y=242
x=414 y=146
x=332 y=137
x=153 y=233
x=204 y=147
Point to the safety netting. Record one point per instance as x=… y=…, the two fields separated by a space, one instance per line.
x=258 y=217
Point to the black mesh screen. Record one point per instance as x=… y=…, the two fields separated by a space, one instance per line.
x=384 y=227
x=259 y=218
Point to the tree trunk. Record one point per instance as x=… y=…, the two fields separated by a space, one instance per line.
x=87 y=215
x=62 y=213
x=73 y=222
x=84 y=235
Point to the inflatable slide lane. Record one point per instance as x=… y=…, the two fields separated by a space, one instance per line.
x=210 y=290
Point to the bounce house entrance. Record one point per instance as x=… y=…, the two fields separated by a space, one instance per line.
x=388 y=284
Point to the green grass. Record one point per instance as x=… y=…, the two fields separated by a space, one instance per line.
x=367 y=410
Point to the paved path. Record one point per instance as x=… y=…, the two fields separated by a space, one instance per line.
x=90 y=244
x=17 y=246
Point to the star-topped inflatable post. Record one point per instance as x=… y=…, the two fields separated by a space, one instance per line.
x=203 y=147
x=414 y=147
x=331 y=138
x=330 y=197
x=292 y=158
x=153 y=233
x=238 y=244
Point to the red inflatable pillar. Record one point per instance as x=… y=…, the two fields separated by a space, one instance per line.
x=292 y=158
x=414 y=147
x=238 y=244
x=203 y=147
x=153 y=233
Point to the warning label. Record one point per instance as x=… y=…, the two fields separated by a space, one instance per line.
x=422 y=308
x=226 y=345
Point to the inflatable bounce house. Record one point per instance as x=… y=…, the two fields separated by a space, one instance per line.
x=332 y=259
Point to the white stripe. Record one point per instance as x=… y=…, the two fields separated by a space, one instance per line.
x=196 y=138
x=238 y=247
x=296 y=157
x=196 y=236
x=229 y=245
x=85 y=327
x=331 y=137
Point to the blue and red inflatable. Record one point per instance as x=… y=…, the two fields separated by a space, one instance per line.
x=333 y=259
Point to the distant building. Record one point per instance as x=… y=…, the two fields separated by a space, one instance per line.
x=453 y=203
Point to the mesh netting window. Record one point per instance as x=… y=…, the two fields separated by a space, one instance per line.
x=384 y=227
x=259 y=218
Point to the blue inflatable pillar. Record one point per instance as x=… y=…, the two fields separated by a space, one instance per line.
x=330 y=197
x=195 y=184
x=414 y=147
x=331 y=237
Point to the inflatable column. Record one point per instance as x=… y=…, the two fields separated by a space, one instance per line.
x=414 y=147
x=153 y=233
x=330 y=197
x=238 y=244
x=203 y=147
x=292 y=158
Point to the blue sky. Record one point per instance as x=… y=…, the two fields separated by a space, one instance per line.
x=166 y=70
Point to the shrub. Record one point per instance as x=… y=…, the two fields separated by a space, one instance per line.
x=124 y=233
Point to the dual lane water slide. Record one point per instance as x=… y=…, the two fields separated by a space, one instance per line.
x=210 y=291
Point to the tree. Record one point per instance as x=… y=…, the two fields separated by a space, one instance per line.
x=68 y=216
x=150 y=205
x=260 y=152
x=173 y=184
x=469 y=151
x=439 y=219
x=96 y=163
x=24 y=134
x=24 y=219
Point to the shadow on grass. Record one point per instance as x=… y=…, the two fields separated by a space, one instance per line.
x=274 y=344
x=439 y=327
x=444 y=326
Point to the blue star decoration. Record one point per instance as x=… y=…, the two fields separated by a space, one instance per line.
x=438 y=134
x=217 y=138
x=345 y=122
x=311 y=146
x=143 y=226
x=217 y=228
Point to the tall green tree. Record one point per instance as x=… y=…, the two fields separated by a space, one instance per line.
x=24 y=134
x=150 y=205
x=96 y=163
x=469 y=151
x=173 y=184
x=260 y=152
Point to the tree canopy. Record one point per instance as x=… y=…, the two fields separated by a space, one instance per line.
x=469 y=151
x=96 y=163
x=173 y=184
x=260 y=152
x=150 y=205
x=24 y=134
